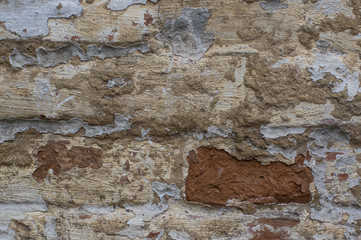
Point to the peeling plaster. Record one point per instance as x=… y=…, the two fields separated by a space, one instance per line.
x=330 y=62
x=218 y=131
x=17 y=211
x=233 y=92
x=287 y=153
x=50 y=229
x=331 y=8
x=186 y=34
x=98 y=210
x=119 y=5
x=29 y=18
x=52 y=57
x=179 y=235
x=8 y=128
x=145 y=213
x=332 y=139
x=276 y=132
x=273 y=5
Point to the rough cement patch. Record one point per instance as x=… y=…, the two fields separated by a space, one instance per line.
x=276 y=132
x=186 y=34
x=119 y=5
x=53 y=57
x=8 y=128
x=273 y=5
x=29 y=18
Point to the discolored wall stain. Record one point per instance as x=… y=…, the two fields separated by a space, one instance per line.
x=55 y=155
x=214 y=177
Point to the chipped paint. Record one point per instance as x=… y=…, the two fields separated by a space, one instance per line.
x=333 y=63
x=272 y=82
x=29 y=18
x=53 y=57
x=120 y=5
x=186 y=34
x=9 y=128
x=276 y=132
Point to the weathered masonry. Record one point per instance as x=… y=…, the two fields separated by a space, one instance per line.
x=169 y=119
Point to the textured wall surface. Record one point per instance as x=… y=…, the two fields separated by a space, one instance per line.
x=180 y=119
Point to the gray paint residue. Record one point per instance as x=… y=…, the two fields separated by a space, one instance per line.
x=119 y=5
x=8 y=128
x=16 y=211
x=146 y=212
x=276 y=132
x=186 y=34
x=53 y=57
x=29 y=18
x=273 y=5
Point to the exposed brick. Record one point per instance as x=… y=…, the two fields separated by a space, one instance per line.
x=55 y=155
x=214 y=177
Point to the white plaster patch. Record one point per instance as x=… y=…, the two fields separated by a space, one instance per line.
x=163 y=189
x=287 y=153
x=276 y=132
x=116 y=82
x=330 y=8
x=9 y=128
x=186 y=35
x=29 y=18
x=179 y=235
x=358 y=36
x=323 y=237
x=332 y=191
x=119 y=5
x=17 y=211
x=52 y=57
x=50 y=229
x=218 y=131
x=233 y=93
x=98 y=210
x=146 y=212
x=232 y=49
x=332 y=63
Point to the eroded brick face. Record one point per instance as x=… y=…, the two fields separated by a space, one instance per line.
x=214 y=177
x=56 y=156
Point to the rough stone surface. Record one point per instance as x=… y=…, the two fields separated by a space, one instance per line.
x=108 y=103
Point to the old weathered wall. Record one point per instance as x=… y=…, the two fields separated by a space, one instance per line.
x=180 y=119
